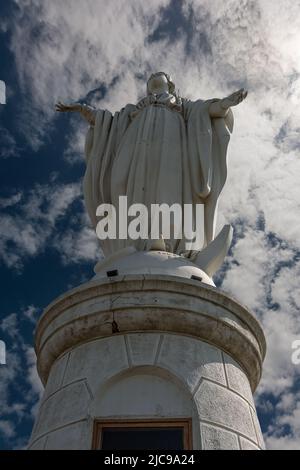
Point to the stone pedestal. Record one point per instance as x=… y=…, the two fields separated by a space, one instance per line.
x=148 y=346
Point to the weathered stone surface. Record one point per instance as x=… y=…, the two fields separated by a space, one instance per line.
x=141 y=394
x=39 y=444
x=248 y=445
x=150 y=304
x=97 y=360
x=237 y=379
x=215 y=438
x=77 y=436
x=142 y=348
x=191 y=359
x=218 y=405
x=165 y=360
x=56 y=375
x=259 y=435
x=66 y=406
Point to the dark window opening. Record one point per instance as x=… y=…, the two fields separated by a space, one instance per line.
x=142 y=435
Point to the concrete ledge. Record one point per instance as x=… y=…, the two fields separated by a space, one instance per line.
x=150 y=303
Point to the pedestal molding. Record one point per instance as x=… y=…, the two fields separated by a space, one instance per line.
x=186 y=307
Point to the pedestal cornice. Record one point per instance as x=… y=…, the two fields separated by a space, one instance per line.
x=150 y=303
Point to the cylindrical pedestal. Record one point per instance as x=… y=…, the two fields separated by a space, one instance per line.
x=148 y=348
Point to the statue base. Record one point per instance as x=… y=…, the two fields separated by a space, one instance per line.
x=146 y=350
x=130 y=261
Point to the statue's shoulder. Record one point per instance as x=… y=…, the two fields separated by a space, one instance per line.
x=189 y=107
x=128 y=108
x=190 y=103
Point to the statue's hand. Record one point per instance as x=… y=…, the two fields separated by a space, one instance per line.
x=234 y=99
x=67 y=108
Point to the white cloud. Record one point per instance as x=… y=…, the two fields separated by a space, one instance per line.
x=9 y=374
x=252 y=257
x=9 y=325
x=10 y=201
x=31 y=313
x=76 y=50
x=34 y=222
x=8 y=144
x=74 y=152
x=7 y=428
x=76 y=246
x=19 y=373
x=264 y=277
x=35 y=227
x=287 y=442
x=284 y=433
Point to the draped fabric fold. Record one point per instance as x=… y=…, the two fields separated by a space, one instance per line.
x=160 y=155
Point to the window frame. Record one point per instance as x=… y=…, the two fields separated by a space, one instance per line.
x=184 y=423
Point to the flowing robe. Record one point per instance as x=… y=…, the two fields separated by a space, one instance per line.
x=157 y=155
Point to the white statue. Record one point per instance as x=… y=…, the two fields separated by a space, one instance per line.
x=165 y=149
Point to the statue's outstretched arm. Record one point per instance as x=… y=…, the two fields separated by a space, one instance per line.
x=88 y=112
x=220 y=108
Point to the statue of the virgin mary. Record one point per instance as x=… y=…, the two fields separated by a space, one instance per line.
x=163 y=150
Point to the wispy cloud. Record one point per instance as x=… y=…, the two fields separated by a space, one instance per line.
x=8 y=144
x=19 y=373
x=10 y=201
x=76 y=246
x=26 y=232
x=7 y=428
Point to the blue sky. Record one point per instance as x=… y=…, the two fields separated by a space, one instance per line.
x=101 y=52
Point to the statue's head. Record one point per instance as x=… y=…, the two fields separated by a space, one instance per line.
x=159 y=82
